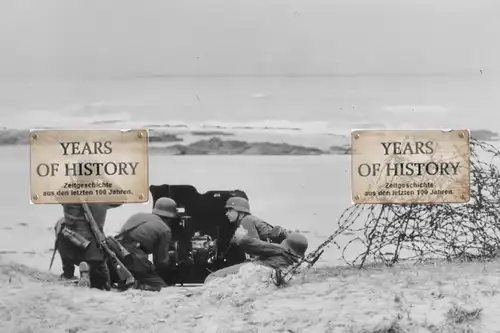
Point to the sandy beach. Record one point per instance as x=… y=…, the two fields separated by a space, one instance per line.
x=458 y=297
x=436 y=297
x=265 y=178
x=262 y=97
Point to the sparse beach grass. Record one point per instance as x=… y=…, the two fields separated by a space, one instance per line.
x=432 y=297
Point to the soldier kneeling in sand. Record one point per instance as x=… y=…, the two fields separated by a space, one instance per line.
x=149 y=233
x=290 y=251
x=77 y=245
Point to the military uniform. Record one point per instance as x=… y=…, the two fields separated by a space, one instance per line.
x=149 y=233
x=256 y=227
x=272 y=255
x=71 y=255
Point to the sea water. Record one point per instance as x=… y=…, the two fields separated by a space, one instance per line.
x=306 y=193
x=312 y=104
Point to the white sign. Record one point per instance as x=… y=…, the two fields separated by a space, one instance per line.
x=95 y=166
x=416 y=166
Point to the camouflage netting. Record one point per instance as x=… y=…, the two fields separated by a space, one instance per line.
x=393 y=232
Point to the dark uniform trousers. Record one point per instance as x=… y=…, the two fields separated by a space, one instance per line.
x=145 y=273
x=71 y=256
x=143 y=234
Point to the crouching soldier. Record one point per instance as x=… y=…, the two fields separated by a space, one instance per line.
x=149 y=233
x=276 y=256
x=238 y=212
x=77 y=245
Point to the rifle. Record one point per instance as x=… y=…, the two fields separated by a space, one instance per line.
x=58 y=230
x=126 y=278
x=54 y=252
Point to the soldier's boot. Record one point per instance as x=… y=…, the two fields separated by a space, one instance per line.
x=66 y=277
x=84 y=281
x=68 y=268
x=147 y=287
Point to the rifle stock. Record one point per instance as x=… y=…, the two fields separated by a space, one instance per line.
x=54 y=253
x=125 y=276
x=57 y=229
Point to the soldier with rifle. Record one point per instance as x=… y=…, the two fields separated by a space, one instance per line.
x=81 y=248
x=80 y=241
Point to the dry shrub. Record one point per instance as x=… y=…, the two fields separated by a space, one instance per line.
x=468 y=231
x=392 y=327
x=458 y=315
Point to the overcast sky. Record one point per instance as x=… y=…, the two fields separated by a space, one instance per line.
x=250 y=37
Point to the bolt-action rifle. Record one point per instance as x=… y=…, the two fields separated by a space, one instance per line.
x=126 y=278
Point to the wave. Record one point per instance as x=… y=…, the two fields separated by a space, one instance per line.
x=115 y=121
x=42 y=119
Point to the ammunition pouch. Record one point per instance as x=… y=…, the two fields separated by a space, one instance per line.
x=131 y=255
x=121 y=253
x=75 y=238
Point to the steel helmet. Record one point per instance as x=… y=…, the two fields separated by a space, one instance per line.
x=296 y=243
x=238 y=204
x=165 y=207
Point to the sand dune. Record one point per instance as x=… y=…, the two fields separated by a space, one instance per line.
x=436 y=297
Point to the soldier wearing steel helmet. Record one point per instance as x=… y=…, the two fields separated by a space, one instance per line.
x=149 y=233
x=276 y=256
x=94 y=272
x=90 y=259
x=238 y=212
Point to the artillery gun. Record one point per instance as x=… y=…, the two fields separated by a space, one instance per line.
x=201 y=235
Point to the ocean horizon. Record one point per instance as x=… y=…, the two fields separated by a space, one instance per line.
x=313 y=105
x=306 y=111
